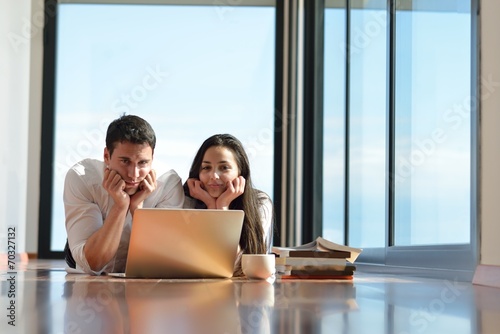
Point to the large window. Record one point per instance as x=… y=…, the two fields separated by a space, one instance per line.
x=334 y=123
x=433 y=123
x=367 y=124
x=399 y=122
x=191 y=71
x=355 y=122
x=359 y=116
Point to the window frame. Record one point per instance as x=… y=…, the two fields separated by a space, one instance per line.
x=298 y=138
x=442 y=261
x=48 y=102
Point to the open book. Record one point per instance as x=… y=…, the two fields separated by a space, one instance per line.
x=320 y=245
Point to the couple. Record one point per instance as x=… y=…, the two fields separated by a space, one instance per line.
x=100 y=198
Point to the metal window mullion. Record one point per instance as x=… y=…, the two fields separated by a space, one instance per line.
x=312 y=160
x=288 y=210
x=391 y=105
x=47 y=136
x=298 y=137
x=347 y=120
x=475 y=134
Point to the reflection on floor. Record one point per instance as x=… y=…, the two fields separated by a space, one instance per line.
x=39 y=297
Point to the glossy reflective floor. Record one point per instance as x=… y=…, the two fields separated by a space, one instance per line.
x=39 y=297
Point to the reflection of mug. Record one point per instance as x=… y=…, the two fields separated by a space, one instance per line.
x=256 y=303
x=258 y=266
x=259 y=293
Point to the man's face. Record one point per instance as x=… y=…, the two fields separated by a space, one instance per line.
x=132 y=162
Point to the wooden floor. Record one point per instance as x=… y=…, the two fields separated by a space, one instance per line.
x=39 y=297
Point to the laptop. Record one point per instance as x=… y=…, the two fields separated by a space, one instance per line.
x=183 y=243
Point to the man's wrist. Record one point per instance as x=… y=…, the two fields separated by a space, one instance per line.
x=121 y=206
x=135 y=207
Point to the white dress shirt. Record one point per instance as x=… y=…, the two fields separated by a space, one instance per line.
x=87 y=204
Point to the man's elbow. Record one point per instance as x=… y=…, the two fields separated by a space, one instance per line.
x=95 y=265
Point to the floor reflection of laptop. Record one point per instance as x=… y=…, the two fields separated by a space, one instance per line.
x=205 y=306
x=183 y=243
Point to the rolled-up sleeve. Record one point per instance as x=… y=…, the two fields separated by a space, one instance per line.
x=83 y=218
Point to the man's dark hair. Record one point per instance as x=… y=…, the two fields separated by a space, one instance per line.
x=132 y=129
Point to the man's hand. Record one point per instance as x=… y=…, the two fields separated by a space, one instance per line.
x=196 y=191
x=146 y=188
x=115 y=186
x=233 y=189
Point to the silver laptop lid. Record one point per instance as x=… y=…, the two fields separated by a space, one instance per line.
x=184 y=243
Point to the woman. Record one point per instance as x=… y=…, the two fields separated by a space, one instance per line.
x=219 y=178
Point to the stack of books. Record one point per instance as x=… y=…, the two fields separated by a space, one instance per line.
x=320 y=259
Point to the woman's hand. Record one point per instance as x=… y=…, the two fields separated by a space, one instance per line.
x=196 y=191
x=233 y=190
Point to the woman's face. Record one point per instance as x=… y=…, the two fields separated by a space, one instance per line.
x=217 y=169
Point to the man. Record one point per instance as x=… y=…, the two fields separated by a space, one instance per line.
x=100 y=198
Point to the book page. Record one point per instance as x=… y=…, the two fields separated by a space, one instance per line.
x=327 y=245
x=320 y=244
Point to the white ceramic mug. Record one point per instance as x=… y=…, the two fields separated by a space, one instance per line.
x=258 y=266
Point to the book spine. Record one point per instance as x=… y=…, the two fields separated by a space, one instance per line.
x=317 y=254
x=307 y=261
x=335 y=277
x=321 y=272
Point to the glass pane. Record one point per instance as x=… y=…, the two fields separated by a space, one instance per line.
x=433 y=103
x=191 y=71
x=367 y=124
x=334 y=124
